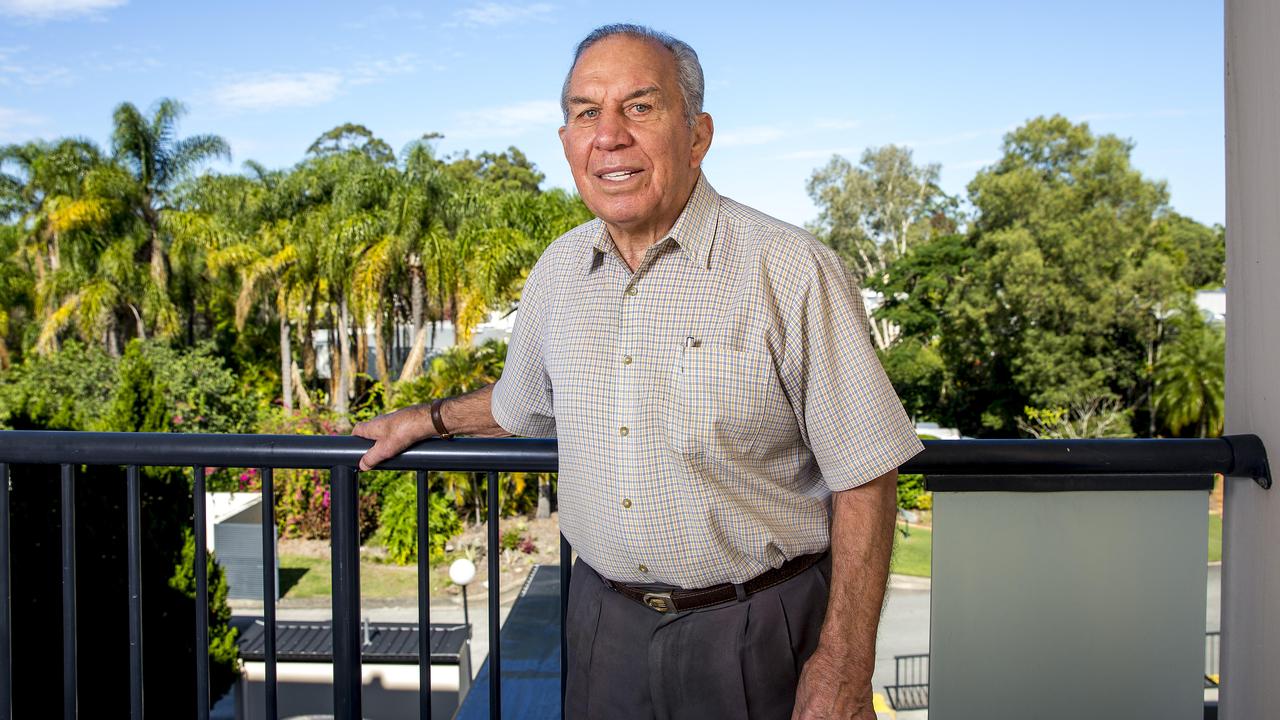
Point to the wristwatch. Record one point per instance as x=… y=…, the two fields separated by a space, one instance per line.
x=439 y=421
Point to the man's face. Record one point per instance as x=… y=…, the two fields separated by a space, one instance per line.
x=633 y=156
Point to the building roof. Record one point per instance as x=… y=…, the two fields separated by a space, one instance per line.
x=392 y=643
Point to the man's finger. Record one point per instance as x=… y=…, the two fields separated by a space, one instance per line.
x=364 y=430
x=374 y=456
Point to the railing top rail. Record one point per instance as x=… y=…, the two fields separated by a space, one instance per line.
x=274 y=451
x=1234 y=455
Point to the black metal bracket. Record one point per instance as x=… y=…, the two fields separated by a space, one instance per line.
x=1249 y=459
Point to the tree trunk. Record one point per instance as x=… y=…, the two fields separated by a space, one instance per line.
x=380 y=351
x=304 y=399
x=159 y=271
x=308 y=336
x=337 y=399
x=112 y=337
x=137 y=321
x=416 y=294
x=286 y=365
x=413 y=363
x=344 y=348
x=362 y=350
x=544 y=497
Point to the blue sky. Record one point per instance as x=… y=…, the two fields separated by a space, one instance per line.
x=788 y=83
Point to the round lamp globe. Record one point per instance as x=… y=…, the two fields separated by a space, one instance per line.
x=462 y=571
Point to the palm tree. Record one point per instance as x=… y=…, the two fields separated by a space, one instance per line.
x=251 y=232
x=78 y=237
x=42 y=188
x=149 y=148
x=1190 y=377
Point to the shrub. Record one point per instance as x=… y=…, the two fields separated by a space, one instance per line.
x=911 y=493
x=511 y=538
x=399 y=529
x=303 y=496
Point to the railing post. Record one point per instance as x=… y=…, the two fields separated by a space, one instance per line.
x=200 y=572
x=495 y=602
x=344 y=502
x=6 y=639
x=133 y=523
x=69 y=709
x=269 y=591
x=566 y=577
x=424 y=596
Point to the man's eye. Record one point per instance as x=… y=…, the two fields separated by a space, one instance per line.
x=642 y=107
x=589 y=114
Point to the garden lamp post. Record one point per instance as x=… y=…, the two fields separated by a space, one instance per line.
x=462 y=572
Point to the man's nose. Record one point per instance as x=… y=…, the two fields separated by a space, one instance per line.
x=612 y=132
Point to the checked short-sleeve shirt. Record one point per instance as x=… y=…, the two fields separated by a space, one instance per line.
x=706 y=404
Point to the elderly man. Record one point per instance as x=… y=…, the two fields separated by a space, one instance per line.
x=728 y=441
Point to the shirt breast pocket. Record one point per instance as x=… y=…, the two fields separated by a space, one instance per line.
x=720 y=397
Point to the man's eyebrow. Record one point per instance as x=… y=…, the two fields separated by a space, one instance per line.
x=582 y=100
x=651 y=90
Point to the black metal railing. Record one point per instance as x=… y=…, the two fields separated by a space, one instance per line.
x=1037 y=465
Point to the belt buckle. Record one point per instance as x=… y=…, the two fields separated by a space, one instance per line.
x=659 y=601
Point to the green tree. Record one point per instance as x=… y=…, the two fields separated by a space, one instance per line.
x=157 y=160
x=874 y=213
x=1200 y=250
x=1064 y=295
x=1190 y=387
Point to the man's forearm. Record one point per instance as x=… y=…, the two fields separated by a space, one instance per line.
x=470 y=414
x=861 y=544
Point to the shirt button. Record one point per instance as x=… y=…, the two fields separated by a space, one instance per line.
x=626 y=502
x=623 y=431
x=643 y=569
x=632 y=290
x=626 y=359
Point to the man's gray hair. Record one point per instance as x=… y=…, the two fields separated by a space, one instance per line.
x=688 y=69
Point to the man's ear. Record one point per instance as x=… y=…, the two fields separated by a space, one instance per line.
x=564 y=141
x=703 y=129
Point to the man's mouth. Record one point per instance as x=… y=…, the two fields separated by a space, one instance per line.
x=618 y=175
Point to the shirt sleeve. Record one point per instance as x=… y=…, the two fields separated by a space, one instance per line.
x=848 y=412
x=522 y=401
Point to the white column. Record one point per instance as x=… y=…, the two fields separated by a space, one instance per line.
x=1251 y=544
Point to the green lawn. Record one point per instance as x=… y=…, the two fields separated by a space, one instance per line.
x=309 y=577
x=1215 y=538
x=911 y=555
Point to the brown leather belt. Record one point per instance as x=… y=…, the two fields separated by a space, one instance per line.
x=674 y=601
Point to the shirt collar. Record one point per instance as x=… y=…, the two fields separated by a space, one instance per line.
x=694 y=231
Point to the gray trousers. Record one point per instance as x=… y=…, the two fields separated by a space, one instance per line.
x=736 y=660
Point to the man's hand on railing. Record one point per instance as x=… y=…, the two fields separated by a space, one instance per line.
x=469 y=414
x=394 y=433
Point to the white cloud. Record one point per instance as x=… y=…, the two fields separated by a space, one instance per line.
x=374 y=70
x=56 y=9
x=13 y=71
x=279 y=90
x=273 y=90
x=758 y=135
x=508 y=120
x=491 y=13
x=17 y=125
